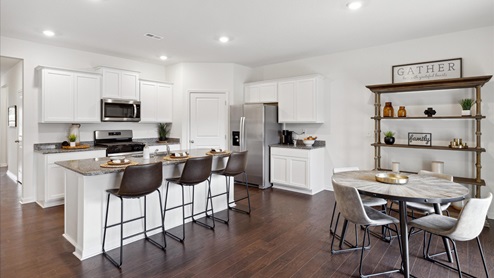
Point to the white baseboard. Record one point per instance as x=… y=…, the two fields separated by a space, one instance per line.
x=12 y=176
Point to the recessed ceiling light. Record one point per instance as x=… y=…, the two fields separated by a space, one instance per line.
x=49 y=33
x=163 y=57
x=224 y=39
x=354 y=5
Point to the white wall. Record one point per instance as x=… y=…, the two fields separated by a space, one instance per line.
x=11 y=83
x=348 y=129
x=203 y=77
x=35 y=54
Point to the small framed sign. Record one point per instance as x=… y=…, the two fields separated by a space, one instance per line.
x=419 y=139
x=12 y=116
x=432 y=70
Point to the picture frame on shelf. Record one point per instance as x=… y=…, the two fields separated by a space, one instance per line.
x=424 y=71
x=419 y=139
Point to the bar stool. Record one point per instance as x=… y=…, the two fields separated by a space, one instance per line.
x=237 y=162
x=137 y=181
x=196 y=171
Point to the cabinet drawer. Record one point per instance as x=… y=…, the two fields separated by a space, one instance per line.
x=290 y=152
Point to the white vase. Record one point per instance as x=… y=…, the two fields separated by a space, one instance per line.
x=72 y=144
x=466 y=112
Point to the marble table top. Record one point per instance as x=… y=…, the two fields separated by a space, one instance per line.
x=420 y=188
x=91 y=166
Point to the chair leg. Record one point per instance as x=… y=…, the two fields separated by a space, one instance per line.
x=155 y=243
x=351 y=246
x=247 y=197
x=175 y=237
x=208 y=197
x=105 y=254
x=482 y=256
x=331 y=231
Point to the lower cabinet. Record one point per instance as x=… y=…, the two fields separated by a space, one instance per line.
x=51 y=177
x=299 y=170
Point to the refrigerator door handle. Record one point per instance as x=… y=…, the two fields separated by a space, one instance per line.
x=242 y=134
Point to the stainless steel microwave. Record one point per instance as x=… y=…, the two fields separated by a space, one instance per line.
x=120 y=110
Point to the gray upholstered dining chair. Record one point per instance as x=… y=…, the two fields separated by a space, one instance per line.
x=351 y=207
x=366 y=200
x=468 y=226
x=426 y=208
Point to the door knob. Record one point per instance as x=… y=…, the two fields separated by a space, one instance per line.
x=191 y=141
x=16 y=141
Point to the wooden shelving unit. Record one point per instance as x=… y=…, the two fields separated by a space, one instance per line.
x=457 y=83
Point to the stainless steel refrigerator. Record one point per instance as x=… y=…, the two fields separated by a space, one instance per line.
x=253 y=127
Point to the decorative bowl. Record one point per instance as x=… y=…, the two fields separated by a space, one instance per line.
x=391 y=178
x=309 y=143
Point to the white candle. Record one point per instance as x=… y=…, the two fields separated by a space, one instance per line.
x=395 y=167
x=438 y=167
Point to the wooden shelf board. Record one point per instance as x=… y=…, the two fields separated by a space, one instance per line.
x=431 y=118
x=442 y=84
x=444 y=148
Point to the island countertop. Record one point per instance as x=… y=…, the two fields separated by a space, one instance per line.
x=91 y=167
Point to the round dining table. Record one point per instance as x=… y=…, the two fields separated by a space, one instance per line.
x=419 y=188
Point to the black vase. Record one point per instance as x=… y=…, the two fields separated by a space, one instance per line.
x=389 y=140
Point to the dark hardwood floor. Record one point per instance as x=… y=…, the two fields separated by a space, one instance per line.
x=285 y=236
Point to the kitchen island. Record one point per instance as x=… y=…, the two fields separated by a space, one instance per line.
x=86 y=183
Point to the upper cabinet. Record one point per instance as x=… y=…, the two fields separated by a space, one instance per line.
x=119 y=84
x=156 y=102
x=261 y=92
x=69 y=96
x=301 y=100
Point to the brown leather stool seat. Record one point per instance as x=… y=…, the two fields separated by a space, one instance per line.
x=237 y=162
x=137 y=181
x=196 y=170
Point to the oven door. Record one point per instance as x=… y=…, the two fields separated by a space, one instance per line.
x=117 y=110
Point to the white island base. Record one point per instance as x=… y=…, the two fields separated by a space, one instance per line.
x=86 y=199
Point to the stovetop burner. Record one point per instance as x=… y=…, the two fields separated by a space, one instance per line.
x=117 y=142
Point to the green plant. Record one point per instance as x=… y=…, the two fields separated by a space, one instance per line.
x=389 y=134
x=164 y=130
x=72 y=137
x=467 y=103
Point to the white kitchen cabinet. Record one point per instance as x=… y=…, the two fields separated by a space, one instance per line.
x=51 y=177
x=301 y=100
x=261 y=92
x=299 y=170
x=69 y=96
x=119 y=84
x=156 y=102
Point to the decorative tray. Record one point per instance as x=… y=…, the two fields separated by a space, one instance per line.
x=123 y=162
x=214 y=152
x=172 y=157
x=108 y=165
x=391 y=178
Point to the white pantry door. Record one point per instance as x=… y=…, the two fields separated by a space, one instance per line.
x=208 y=115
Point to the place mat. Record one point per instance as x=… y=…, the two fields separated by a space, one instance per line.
x=172 y=158
x=118 y=164
x=216 y=153
x=80 y=146
x=106 y=165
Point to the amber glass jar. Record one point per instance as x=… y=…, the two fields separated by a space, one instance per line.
x=402 y=112
x=388 y=110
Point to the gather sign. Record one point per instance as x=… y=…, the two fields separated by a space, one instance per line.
x=433 y=70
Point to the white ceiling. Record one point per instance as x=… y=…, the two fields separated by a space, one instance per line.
x=262 y=31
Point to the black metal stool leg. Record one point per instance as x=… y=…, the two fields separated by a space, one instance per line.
x=243 y=198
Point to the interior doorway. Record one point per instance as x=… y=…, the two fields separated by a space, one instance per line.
x=208 y=120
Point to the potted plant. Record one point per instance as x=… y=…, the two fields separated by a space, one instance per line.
x=389 y=137
x=72 y=138
x=466 y=105
x=163 y=131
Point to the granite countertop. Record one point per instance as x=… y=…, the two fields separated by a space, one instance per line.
x=300 y=145
x=54 y=148
x=91 y=166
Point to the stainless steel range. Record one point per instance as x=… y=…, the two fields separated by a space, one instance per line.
x=117 y=142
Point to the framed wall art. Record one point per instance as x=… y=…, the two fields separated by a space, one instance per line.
x=419 y=139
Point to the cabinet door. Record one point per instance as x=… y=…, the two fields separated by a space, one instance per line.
x=129 y=85
x=305 y=99
x=87 y=98
x=286 y=101
x=268 y=92
x=252 y=94
x=55 y=179
x=111 y=83
x=299 y=172
x=279 y=169
x=148 y=101
x=164 y=103
x=57 y=100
